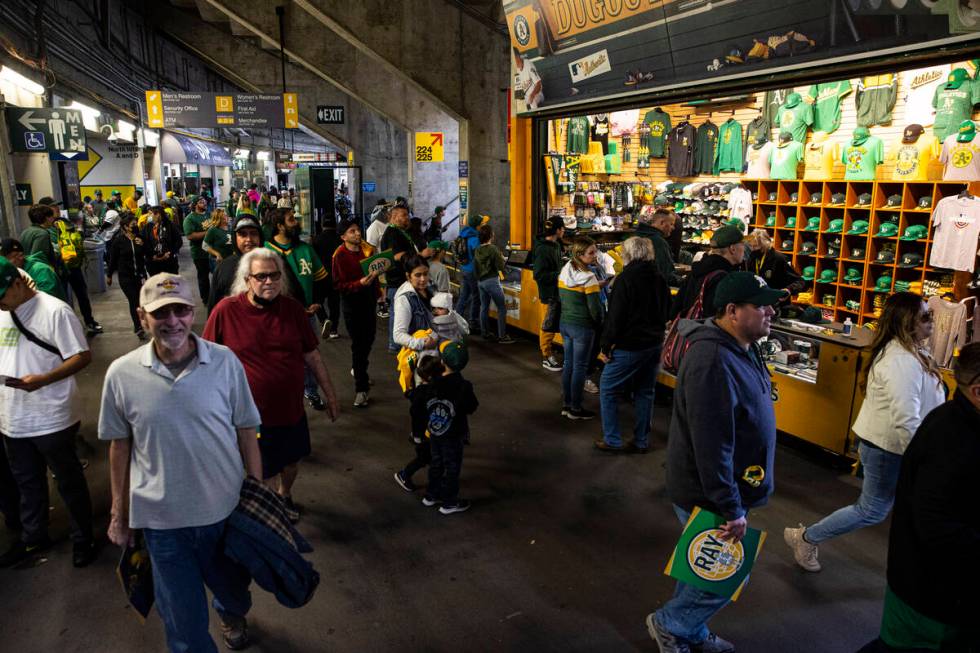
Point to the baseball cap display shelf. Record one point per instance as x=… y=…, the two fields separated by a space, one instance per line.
x=914 y=194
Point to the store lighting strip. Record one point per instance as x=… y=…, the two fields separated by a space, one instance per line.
x=15 y=78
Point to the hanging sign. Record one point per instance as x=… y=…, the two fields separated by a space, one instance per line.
x=428 y=147
x=166 y=109
x=330 y=115
x=46 y=130
x=24 y=195
x=464 y=169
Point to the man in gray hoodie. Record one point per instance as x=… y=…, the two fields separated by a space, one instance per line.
x=722 y=441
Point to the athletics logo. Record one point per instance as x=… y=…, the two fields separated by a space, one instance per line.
x=962 y=156
x=907 y=160
x=712 y=558
x=855 y=156
x=522 y=30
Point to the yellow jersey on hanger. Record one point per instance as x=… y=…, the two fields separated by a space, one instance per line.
x=818 y=159
x=913 y=160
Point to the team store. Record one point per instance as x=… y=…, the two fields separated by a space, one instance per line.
x=868 y=185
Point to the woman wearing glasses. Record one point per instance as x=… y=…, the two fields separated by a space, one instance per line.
x=270 y=333
x=902 y=384
x=126 y=259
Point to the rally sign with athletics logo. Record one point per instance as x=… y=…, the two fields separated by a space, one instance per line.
x=379 y=263
x=704 y=559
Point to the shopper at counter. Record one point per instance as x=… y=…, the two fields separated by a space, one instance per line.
x=489 y=267
x=722 y=442
x=726 y=254
x=632 y=337
x=581 y=315
x=772 y=265
x=546 y=263
x=468 y=303
x=902 y=385
x=657 y=228
x=936 y=512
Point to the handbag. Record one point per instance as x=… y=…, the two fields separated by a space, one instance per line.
x=676 y=345
x=552 y=317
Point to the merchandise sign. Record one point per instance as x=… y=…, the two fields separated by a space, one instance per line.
x=46 y=130
x=330 y=115
x=428 y=147
x=464 y=169
x=707 y=561
x=166 y=109
x=369 y=186
x=464 y=195
x=25 y=197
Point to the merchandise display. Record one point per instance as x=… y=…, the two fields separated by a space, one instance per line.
x=784 y=159
x=680 y=150
x=954 y=102
x=658 y=122
x=826 y=100
x=957 y=224
x=914 y=154
x=961 y=154
x=875 y=99
x=820 y=155
x=862 y=155
x=705 y=145
x=795 y=117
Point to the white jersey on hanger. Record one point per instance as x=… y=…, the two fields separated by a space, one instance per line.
x=957 y=224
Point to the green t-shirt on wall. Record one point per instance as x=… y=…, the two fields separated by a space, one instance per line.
x=194 y=222
x=826 y=104
x=861 y=160
x=659 y=122
x=578 y=136
x=220 y=240
x=953 y=106
x=795 y=120
x=784 y=160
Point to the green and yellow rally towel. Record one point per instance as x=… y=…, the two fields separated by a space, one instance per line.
x=708 y=562
x=379 y=263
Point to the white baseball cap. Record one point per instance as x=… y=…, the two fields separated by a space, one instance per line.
x=162 y=289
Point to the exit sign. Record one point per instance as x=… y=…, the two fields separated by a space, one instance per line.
x=330 y=115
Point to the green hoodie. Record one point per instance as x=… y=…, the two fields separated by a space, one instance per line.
x=546 y=266
x=44 y=276
x=489 y=261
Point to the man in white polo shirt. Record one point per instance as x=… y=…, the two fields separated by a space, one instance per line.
x=182 y=424
x=42 y=347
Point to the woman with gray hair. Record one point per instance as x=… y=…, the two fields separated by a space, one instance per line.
x=632 y=338
x=270 y=333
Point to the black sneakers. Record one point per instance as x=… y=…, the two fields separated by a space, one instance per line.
x=19 y=551
x=315 y=402
x=450 y=509
x=234 y=632
x=292 y=510
x=83 y=554
x=581 y=413
x=405 y=483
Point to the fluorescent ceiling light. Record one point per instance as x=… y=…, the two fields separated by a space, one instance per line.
x=90 y=116
x=150 y=137
x=125 y=126
x=15 y=78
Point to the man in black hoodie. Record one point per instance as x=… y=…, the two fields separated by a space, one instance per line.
x=726 y=255
x=547 y=265
x=722 y=441
x=248 y=236
x=657 y=227
x=632 y=337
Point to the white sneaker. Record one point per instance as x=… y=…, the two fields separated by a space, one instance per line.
x=361 y=400
x=804 y=553
x=591 y=387
x=325 y=329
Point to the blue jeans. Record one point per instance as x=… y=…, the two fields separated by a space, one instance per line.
x=468 y=304
x=184 y=560
x=577 y=342
x=390 y=296
x=490 y=289
x=625 y=370
x=686 y=615
x=309 y=379
x=877 y=496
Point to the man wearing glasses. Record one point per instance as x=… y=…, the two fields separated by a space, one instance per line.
x=179 y=485
x=42 y=348
x=270 y=333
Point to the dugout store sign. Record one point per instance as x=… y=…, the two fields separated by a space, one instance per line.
x=166 y=109
x=46 y=130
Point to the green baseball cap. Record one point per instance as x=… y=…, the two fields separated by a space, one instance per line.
x=747 y=288
x=771 y=220
x=787 y=245
x=887 y=230
x=957 y=77
x=8 y=274
x=808 y=247
x=813 y=224
x=794 y=197
x=809 y=272
x=727 y=236
x=836 y=226
x=439 y=245
x=925 y=202
x=853 y=275
x=915 y=232
x=858 y=227
x=454 y=354
x=883 y=284
x=791 y=222
x=828 y=276
x=966 y=131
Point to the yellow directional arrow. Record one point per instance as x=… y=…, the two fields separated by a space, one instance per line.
x=85 y=167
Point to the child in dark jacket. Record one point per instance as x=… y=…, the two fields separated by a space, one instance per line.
x=440 y=410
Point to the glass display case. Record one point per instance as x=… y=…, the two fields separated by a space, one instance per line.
x=792 y=354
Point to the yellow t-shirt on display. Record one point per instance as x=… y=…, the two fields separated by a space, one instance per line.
x=913 y=160
x=819 y=158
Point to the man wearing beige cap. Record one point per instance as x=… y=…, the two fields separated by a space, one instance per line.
x=180 y=484
x=42 y=347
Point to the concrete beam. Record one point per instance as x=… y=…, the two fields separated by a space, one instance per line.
x=208 y=13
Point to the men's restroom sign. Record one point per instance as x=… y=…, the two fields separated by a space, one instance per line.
x=46 y=130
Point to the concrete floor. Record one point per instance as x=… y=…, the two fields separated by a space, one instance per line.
x=563 y=550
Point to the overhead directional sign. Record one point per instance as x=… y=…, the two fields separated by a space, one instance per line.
x=46 y=130
x=330 y=115
x=429 y=147
x=165 y=109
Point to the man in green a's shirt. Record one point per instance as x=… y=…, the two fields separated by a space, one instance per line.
x=194 y=232
x=37 y=237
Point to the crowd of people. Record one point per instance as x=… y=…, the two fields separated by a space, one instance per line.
x=270 y=296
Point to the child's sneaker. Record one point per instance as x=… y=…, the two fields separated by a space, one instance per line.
x=405 y=483
x=428 y=502
x=459 y=506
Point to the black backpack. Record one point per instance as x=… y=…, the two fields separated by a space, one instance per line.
x=461 y=250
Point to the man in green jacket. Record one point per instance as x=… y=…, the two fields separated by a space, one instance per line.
x=546 y=265
x=36 y=266
x=37 y=237
x=658 y=227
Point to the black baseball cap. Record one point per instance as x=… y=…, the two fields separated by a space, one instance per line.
x=912 y=133
x=9 y=246
x=247 y=221
x=553 y=224
x=746 y=288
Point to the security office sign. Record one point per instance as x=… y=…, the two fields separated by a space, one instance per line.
x=46 y=130
x=165 y=109
x=330 y=115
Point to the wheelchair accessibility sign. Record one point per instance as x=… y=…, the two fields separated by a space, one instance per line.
x=35 y=141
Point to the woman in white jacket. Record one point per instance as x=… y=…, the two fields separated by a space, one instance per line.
x=902 y=385
x=412 y=306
